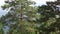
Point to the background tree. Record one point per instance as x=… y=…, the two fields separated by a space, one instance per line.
x=48 y=20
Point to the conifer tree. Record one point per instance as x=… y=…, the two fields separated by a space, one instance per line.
x=26 y=15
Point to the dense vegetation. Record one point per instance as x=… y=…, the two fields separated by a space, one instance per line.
x=23 y=18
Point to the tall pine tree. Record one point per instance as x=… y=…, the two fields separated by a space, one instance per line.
x=26 y=15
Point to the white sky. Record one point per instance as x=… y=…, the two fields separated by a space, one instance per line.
x=1 y=2
x=39 y=2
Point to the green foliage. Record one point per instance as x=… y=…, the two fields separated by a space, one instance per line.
x=23 y=18
x=48 y=20
x=15 y=19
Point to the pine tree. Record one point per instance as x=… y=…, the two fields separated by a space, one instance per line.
x=25 y=14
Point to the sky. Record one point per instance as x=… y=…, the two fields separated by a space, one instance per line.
x=2 y=12
x=38 y=2
x=42 y=2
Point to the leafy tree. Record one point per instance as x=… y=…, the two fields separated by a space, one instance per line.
x=49 y=24
x=23 y=14
x=1 y=27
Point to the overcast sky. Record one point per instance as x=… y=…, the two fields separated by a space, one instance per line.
x=41 y=2
x=38 y=2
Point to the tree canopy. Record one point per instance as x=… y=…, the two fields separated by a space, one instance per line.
x=23 y=18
